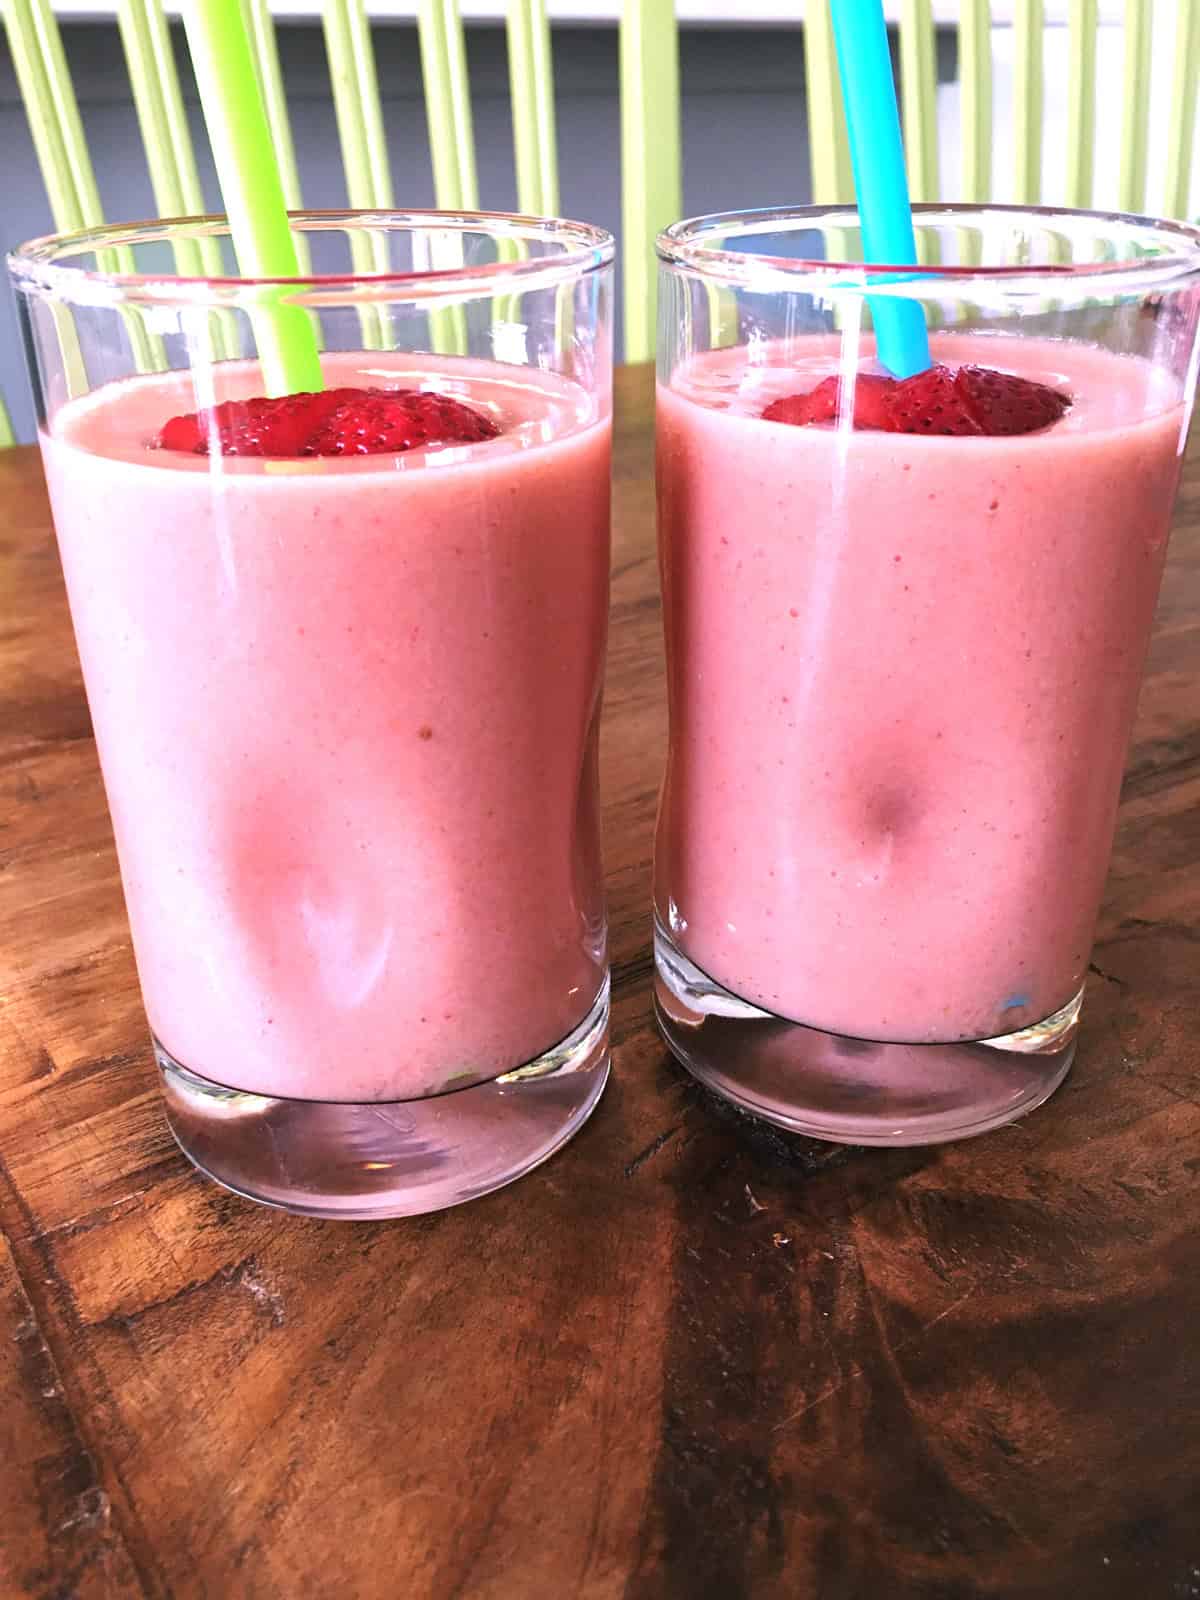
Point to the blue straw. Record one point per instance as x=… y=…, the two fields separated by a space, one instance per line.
x=877 y=156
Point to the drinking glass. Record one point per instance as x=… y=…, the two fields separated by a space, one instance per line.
x=902 y=666
x=346 y=705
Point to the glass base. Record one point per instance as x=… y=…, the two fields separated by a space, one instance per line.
x=397 y=1158
x=853 y=1091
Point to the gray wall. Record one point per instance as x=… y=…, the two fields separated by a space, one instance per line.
x=743 y=123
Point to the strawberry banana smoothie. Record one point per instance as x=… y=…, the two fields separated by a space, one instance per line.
x=347 y=707
x=903 y=670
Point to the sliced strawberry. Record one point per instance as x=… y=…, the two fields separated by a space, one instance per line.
x=973 y=400
x=930 y=402
x=823 y=404
x=378 y=421
x=871 y=402
x=185 y=434
x=818 y=405
x=1005 y=404
x=333 y=423
x=257 y=427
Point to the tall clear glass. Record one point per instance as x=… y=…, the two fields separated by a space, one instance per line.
x=346 y=704
x=903 y=665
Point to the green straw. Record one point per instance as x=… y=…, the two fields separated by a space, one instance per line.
x=251 y=186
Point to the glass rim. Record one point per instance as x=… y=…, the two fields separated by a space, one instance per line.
x=35 y=266
x=684 y=246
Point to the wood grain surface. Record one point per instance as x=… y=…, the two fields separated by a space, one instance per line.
x=689 y=1359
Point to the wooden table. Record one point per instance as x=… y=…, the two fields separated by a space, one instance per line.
x=688 y=1358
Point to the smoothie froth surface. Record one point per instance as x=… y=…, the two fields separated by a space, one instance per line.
x=1106 y=391
x=122 y=420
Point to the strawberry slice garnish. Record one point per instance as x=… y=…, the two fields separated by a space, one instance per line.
x=824 y=403
x=872 y=402
x=930 y=402
x=969 y=401
x=1005 y=404
x=258 y=427
x=336 y=422
x=819 y=405
x=378 y=421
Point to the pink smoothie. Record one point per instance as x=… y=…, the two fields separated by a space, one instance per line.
x=346 y=712
x=903 y=672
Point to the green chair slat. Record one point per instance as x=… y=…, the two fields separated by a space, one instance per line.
x=1182 y=124
x=531 y=83
x=975 y=74
x=357 y=105
x=167 y=142
x=452 y=150
x=448 y=105
x=651 y=170
x=918 y=97
x=65 y=165
x=166 y=137
x=67 y=107
x=53 y=115
x=1081 y=101
x=1029 y=21
x=1135 y=113
x=828 y=143
x=359 y=115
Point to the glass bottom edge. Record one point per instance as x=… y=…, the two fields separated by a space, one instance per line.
x=377 y=1159
x=849 y=1090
